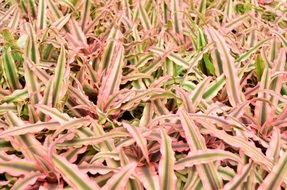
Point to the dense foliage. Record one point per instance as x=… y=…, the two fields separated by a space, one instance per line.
x=143 y=94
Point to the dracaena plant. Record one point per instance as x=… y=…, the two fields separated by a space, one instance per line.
x=143 y=94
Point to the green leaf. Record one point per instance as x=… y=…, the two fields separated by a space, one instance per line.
x=259 y=67
x=10 y=70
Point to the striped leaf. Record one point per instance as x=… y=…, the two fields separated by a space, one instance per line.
x=197 y=93
x=214 y=87
x=239 y=179
x=104 y=155
x=53 y=113
x=58 y=81
x=207 y=172
x=249 y=149
x=109 y=50
x=76 y=35
x=111 y=81
x=17 y=167
x=119 y=180
x=86 y=14
x=32 y=84
x=262 y=108
x=145 y=20
x=177 y=25
x=32 y=146
x=56 y=13
x=138 y=137
x=172 y=56
x=93 y=140
x=73 y=175
x=30 y=128
x=42 y=14
x=167 y=176
x=230 y=71
x=16 y=96
x=10 y=70
x=248 y=53
x=203 y=157
x=278 y=173
x=279 y=66
x=149 y=177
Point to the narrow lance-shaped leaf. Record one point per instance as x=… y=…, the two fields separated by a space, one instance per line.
x=276 y=84
x=10 y=70
x=175 y=15
x=149 y=177
x=247 y=54
x=274 y=179
x=259 y=67
x=166 y=164
x=274 y=48
x=111 y=81
x=249 y=149
x=93 y=140
x=186 y=100
x=32 y=128
x=47 y=99
x=86 y=13
x=56 y=13
x=197 y=93
x=119 y=180
x=203 y=157
x=138 y=137
x=107 y=145
x=76 y=35
x=32 y=5
x=59 y=24
x=109 y=50
x=54 y=113
x=207 y=172
x=147 y=115
x=172 y=56
x=202 y=7
x=262 y=108
x=282 y=38
x=228 y=10
x=235 y=22
x=144 y=17
x=32 y=84
x=131 y=184
x=214 y=87
x=17 y=95
x=73 y=175
x=42 y=14
x=239 y=179
x=58 y=80
x=17 y=167
x=32 y=148
x=230 y=71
